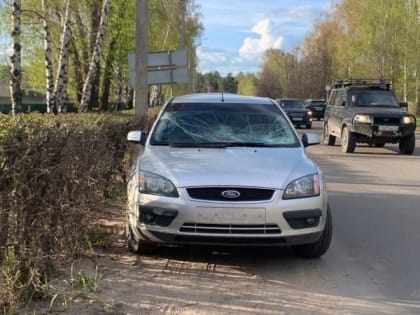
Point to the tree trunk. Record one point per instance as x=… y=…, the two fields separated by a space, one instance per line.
x=61 y=82
x=96 y=56
x=77 y=70
x=51 y=106
x=15 y=58
x=106 y=86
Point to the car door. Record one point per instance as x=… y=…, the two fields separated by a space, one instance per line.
x=338 y=113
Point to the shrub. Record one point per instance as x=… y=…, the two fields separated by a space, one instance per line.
x=56 y=172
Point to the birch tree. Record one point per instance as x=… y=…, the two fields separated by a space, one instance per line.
x=15 y=58
x=50 y=99
x=61 y=82
x=96 y=56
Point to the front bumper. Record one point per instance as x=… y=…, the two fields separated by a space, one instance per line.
x=276 y=222
x=300 y=120
x=372 y=134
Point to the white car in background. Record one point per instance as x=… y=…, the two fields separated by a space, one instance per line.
x=226 y=169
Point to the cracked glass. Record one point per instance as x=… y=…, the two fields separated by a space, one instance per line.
x=222 y=125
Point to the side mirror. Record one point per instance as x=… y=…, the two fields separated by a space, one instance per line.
x=136 y=137
x=343 y=103
x=404 y=105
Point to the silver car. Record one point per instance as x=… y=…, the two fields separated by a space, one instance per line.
x=226 y=169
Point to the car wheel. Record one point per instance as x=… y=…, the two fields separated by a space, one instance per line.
x=328 y=139
x=407 y=144
x=135 y=246
x=348 y=141
x=320 y=247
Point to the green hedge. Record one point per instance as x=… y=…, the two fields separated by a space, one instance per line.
x=56 y=172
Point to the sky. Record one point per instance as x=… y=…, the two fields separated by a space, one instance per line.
x=238 y=32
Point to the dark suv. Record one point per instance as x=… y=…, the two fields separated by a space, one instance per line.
x=298 y=114
x=367 y=111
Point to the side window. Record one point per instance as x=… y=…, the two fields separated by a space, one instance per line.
x=340 y=98
x=332 y=98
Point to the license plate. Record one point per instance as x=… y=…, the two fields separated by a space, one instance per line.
x=224 y=215
x=318 y=108
x=297 y=118
x=385 y=133
x=388 y=128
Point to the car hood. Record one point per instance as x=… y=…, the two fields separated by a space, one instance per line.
x=256 y=167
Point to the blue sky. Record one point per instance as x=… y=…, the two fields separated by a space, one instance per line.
x=237 y=32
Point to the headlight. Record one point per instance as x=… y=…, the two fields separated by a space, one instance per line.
x=310 y=113
x=407 y=120
x=307 y=186
x=153 y=184
x=362 y=119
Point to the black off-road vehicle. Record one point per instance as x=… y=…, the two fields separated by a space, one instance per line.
x=367 y=111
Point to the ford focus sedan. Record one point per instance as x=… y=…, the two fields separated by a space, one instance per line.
x=230 y=170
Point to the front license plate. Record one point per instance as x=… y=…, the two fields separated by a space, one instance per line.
x=225 y=215
x=388 y=128
x=297 y=119
x=386 y=133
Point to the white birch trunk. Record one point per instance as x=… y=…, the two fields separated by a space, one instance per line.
x=61 y=81
x=15 y=58
x=96 y=56
x=49 y=75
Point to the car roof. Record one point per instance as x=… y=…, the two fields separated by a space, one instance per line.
x=217 y=97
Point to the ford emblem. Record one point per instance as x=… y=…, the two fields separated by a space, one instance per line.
x=231 y=194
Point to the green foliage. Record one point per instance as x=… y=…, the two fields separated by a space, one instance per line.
x=275 y=79
x=247 y=84
x=165 y=29
x=81 y=281
x=230 y=84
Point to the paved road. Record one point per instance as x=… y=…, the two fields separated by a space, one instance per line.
x=372 y=267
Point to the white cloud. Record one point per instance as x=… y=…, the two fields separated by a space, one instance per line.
x=238 y=32
x=247 y=57
x=254 y=48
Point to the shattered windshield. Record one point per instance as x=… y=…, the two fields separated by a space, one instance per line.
x=373 y=98
x=223 y=125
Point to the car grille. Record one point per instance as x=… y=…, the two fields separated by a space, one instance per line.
x=292 y=114
x=387 y=120
x=245 y=194
x=230 y=228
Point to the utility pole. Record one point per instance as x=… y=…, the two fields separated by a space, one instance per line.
x=141 y=89
x=182 y=31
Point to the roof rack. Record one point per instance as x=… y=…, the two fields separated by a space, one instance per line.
x=381 y=83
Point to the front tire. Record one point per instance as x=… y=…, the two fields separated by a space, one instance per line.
x=328 y=139
x=320 y=247
x=348 y=141
x=407 y=144
x=135 y=246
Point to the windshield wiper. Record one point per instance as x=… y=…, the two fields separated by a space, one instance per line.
x=221 y=144
x=250 y=144
x=198 y=145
